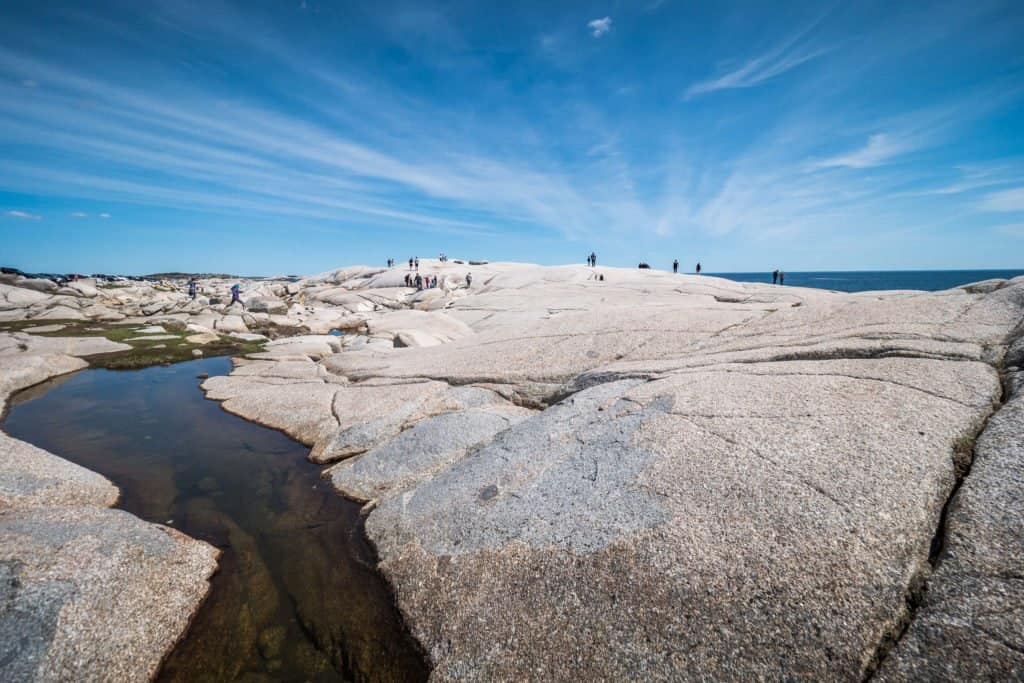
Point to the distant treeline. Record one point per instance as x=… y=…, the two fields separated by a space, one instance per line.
x=185 y=276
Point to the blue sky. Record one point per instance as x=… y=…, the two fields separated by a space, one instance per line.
x=292 y=136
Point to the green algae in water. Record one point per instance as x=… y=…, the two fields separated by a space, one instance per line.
x=297 y=596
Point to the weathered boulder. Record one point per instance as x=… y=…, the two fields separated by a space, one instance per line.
x=267 y=305
x=60 y=313
x=37 y=284
x=32 y=477
x=231 y=323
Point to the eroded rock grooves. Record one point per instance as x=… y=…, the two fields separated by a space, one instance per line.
x=656 y=476
x=968 y=619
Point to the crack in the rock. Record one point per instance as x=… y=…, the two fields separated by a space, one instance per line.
x=963 y=458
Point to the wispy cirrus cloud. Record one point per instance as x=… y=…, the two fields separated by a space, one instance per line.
x=1004 y=201
x=787 y=55
x=879 y=149
x=24 y=215
x=599 y=27
x=79 y=214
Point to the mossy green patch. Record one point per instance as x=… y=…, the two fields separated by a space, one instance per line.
x=144 y=352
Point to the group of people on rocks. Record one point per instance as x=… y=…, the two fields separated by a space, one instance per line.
x=420 y=282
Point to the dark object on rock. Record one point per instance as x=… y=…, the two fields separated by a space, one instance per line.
x=216 y=300
x=644 y=266
x=489 y=492
x=477 y=263
x=203 y=375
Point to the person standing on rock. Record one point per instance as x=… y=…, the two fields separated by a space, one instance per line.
x=417 y=261
x=419 y=282
x=698 y=267
x=775 y=276
x=782 y=278
x=593 y=260
x=675 y=266
x=469 y=280
x=410 y=263
x=192 y=284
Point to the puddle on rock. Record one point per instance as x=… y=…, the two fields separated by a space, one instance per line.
x=297 y=596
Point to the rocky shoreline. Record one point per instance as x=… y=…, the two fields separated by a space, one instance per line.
x=645 y=475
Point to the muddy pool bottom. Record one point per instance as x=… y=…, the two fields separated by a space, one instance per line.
x=297 y=596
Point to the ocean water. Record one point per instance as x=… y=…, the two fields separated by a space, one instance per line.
x=870 y=280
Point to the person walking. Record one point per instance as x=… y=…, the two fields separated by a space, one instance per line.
x=698 y=267
x=675 y=266
x=775 y=276
x=236 y=295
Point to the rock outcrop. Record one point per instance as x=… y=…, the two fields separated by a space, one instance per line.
x=670 y=477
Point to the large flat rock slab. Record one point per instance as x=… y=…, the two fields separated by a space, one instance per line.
x=94 y=594
x=644 y=529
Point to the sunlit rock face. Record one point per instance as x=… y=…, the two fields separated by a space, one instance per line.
x=660 y=476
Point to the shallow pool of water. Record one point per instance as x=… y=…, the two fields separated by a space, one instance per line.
x=297 y=596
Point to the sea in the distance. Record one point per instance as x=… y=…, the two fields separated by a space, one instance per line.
x=869 y=280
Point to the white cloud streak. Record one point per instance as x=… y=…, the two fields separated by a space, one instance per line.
x=787 y=55
x=879 y=149
x=23 y=215
x=1004 y=201
x=599 y=27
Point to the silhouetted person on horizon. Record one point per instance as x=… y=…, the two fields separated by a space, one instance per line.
x=593 y=259
x=782 y=278
x=698 y=267
x=410 y=264
x=675 y=266
x=775 y=276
